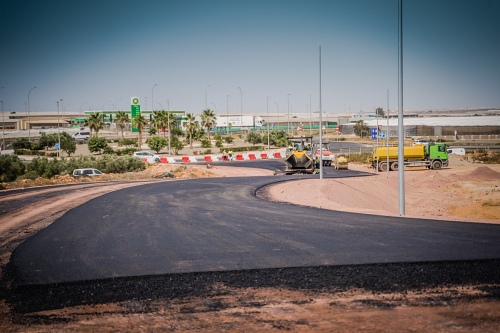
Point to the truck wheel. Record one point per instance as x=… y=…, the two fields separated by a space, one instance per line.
x=382 y=167
x=436 y=165
x=394 y=166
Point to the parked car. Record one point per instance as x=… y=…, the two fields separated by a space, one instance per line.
x=149 y=156
x=88 y=172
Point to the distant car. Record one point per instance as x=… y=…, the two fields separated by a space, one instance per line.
x=81 y=136
x=88 y=172
x=150 y=157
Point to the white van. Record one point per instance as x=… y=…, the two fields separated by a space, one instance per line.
x=456 y=151
x=81 y=136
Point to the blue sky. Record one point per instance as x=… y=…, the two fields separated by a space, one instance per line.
x=97 y=54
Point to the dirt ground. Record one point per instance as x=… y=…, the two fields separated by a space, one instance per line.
x=463 y=192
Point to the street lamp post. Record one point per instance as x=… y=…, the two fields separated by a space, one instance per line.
x=29 y=119
x=288 y=112
x=58 y=136
x=227 y=118
x=241 y=108
x=206 y=91
x=3 y=128
x=277 y=107
x=267 y=107
x=152 y=98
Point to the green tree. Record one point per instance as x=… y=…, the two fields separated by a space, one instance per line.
x=191 y=126
x=160 y=120
x=10 y=168
x=208 y=120
x=68 y=145
x=380 y=112
x=176 y=144
x=94 y=123
x=21 y=143
x=157 y=143
x=361 y=129
x=254 y=138
x=139 y=122
x=97 y=145
x=47 y=141
x=121 y=120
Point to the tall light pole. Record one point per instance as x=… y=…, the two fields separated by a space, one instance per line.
x=29 y=119
x=3 y=128
x=58 y=136
x=277 y=107
x=227 y=118
x=267 y=107
x=401 y=177
x=152 y=98
x=206 y=92
x=241 y=107
x=288 y=112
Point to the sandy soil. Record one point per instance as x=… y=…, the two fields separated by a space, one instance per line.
x=463 y=192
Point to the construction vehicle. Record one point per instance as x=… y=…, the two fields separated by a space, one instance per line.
x=299 y=155
x=340 y=162
x=327 y=155
x=432 y=155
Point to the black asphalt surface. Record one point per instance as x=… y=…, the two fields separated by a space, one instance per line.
x=218 y=224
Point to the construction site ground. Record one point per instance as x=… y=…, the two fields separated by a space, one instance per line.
x=465 y=191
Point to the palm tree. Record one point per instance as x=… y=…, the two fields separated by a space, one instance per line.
x=139 y=122
x=208 y=119
x=191 y=126
x=121 y=120
x=160 y=121
x=94 y=123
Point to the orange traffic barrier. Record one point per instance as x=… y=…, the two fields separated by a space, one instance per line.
x=277 y=155
x=208 y=158
x=263 y=156
x=239 y=157
x=163 y=160
x=252 y=156
x=185 y=159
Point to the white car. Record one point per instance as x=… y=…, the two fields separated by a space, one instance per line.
x=150 y=157
x=88 y=172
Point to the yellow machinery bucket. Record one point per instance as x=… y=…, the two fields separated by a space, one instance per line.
x=299 y=161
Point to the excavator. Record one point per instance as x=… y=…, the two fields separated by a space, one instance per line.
x=299 y=155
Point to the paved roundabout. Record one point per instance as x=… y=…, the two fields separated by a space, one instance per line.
x=219 y=224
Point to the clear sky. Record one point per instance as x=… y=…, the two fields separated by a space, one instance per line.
x=97 y=54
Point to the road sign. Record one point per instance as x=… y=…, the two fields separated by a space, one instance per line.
x=381 y=135
x=374 y=133
x=56 y=146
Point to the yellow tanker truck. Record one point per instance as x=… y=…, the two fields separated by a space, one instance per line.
x=433 y=156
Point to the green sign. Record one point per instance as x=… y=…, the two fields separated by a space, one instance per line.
x=135 y=109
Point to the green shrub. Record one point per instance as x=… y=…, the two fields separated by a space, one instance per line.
x=96 y=144
x=21 y=143
x=219 y=143
x=157 y=143
x=228 y=139
x=205 y=143
x=10 y=168
x=128 y=142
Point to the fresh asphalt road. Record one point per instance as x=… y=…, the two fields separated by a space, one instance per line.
x=217 y=224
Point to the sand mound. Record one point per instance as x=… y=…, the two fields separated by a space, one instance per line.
x=483 y=172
